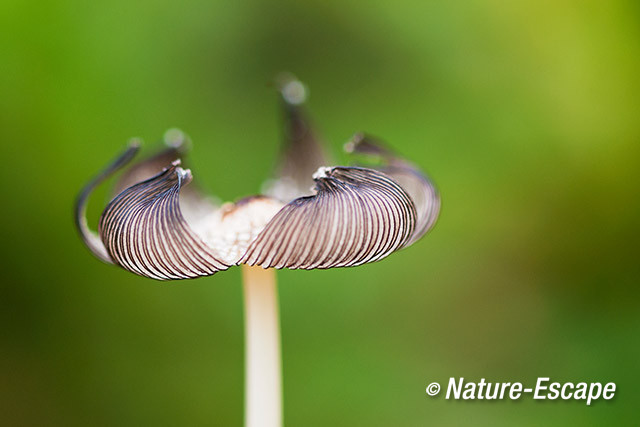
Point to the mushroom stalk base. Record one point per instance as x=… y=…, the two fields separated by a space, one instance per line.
x=263 y=378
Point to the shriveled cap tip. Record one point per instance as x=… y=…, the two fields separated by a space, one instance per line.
x=351 y=145
x=322 y=172
x=361 y=143
x=184 y=174
x=293 y=91
x=135 y=143
x=176 y=138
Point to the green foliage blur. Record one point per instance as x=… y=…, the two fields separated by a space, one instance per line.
x=526 y=114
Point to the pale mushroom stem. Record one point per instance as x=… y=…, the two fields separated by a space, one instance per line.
x=263 y=378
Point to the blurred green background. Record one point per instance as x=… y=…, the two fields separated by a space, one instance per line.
x=526 y=114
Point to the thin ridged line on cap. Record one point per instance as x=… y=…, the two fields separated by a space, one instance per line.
x=90 y=237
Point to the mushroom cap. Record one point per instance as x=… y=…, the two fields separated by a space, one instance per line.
x=159 y=225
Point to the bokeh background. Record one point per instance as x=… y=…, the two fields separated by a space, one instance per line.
x=525 y=113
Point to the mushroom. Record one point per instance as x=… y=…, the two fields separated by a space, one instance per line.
x=158 y=226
